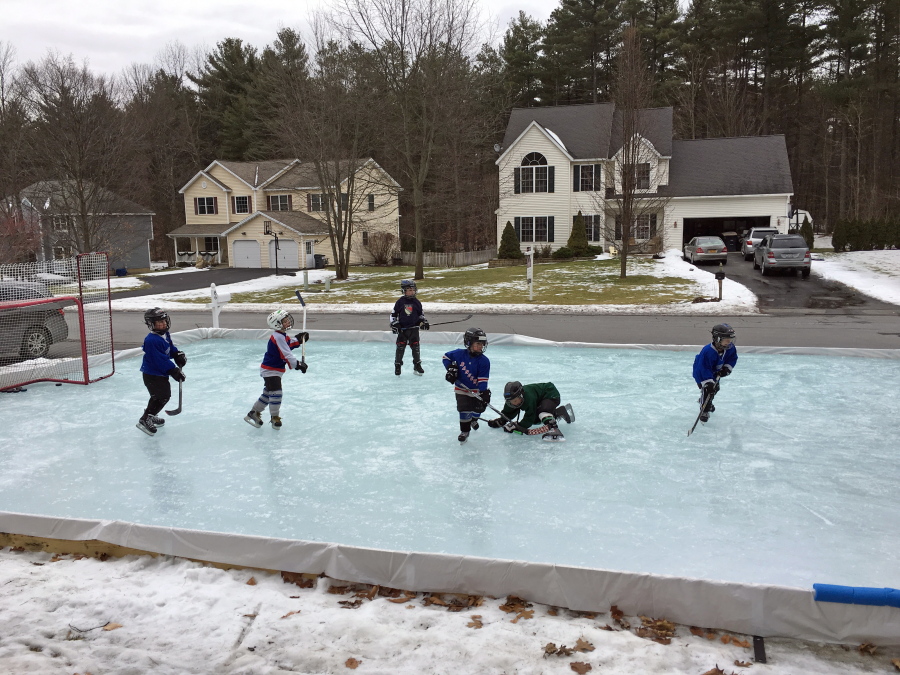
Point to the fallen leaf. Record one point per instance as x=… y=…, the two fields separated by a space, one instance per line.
x=725 y=640
x=475 y=622
x=350 y=604
x=608 y=627
x=524 y=614
x=352 y=663
x=297 y=611
x=251 y=581
x=112 y=626
x=896 y=663
x=742 y=664
x=552 y=612
x=250 y=616
x=699 y=632
x=616 y=613
x=580 y=667
x=583 y=646
x=549 y=648
x=741 y=643
x=297 y=578
x=867 y=648
x=715 y=671
x=338 y=590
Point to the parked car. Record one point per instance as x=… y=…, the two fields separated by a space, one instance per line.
x=28 y=332
x=706 y=249
x=782 y=252
x=752 y=238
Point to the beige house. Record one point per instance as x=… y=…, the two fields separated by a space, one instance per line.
x=235 y=212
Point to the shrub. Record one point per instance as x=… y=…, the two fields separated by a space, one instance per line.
x=839 y=236
x=509 y=244
x=806 y=232
x=382 y=246
x=564 y=252
x=543 y=251
x=578 y=241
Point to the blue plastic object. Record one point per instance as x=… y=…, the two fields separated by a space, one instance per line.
x=857 y=595
x=121 y=272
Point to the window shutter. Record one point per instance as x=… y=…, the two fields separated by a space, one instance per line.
x=516 y=184
x=518 y=226
x=551 y=170
x=550 y=220
x=598 y=172
x=290 y=203
x=371 y=202
x=618 y=227
x=249 y=203
x=234 y=204
x=196 y=208
x=309 y=201
x=652 y=225
x=215 y=205
x=268 y=202
x=576 y=178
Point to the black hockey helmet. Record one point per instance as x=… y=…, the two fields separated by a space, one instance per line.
x=407 y=284
x=151 y=316
x=722 y=330
x=473 y=335
x=512 y=391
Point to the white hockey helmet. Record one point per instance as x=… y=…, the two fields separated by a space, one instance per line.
x=275 y=320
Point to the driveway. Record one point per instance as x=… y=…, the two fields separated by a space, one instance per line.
x=189 y=281
x=784 y=293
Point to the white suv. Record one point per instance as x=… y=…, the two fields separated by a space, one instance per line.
x=752 y=238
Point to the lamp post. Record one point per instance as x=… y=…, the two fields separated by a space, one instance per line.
x=267 y=229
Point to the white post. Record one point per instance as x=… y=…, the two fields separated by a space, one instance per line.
x=219 y=300
x=529 y=272
x=305 y=279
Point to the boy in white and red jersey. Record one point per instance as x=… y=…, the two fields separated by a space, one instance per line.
x=278 y=357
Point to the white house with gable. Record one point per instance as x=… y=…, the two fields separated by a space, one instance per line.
x=557 y=161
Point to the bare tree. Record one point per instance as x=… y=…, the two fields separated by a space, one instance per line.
x=633 y=207
x=416 y=47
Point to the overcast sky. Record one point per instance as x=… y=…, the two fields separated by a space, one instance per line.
x=111 y=34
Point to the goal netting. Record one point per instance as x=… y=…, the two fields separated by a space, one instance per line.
x=55 y=321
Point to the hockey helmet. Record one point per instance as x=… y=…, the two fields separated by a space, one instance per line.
x=474 y=335
x=722 y=330
x=151 y=316
x=275 y=320
x=406 y=284
x=513 y=391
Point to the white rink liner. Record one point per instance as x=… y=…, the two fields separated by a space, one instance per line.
x=754 y=609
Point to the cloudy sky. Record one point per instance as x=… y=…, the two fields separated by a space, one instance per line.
x=111 y=34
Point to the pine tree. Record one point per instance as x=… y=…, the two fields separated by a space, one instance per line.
x=578 y=241
x=509 y=244
x=806 y=232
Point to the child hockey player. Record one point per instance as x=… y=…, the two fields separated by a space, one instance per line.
x=714 y=361
x=161 y=361
x=468 y=370
x=537 y=404
x=278 y=353
x=406 y=319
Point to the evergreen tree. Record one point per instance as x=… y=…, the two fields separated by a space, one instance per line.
x=521 y=53
x=509 y=244
x=806 y=232
x=578 y=241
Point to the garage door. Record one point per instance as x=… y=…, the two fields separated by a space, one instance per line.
x=288 y=254
x=246 y=254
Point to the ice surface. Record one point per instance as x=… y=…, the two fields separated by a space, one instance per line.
x=792 y=482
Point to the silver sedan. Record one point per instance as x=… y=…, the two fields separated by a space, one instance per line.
x=706 y=249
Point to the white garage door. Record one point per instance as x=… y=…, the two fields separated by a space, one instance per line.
x=288 y=254
x=246 y=254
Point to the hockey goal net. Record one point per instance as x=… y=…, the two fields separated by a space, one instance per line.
x=55 y=321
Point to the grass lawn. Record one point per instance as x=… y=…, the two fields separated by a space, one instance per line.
x=592 y=282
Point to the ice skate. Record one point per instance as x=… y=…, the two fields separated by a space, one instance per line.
x=463 y=436
x=474 y=424
x=417 y=367
x=712 y=408
x=253 y=418
x=704 y=417
x=276 y=422
x=146 y=425
x=157 y=421
x=397 y=368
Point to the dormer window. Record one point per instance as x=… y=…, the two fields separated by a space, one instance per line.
x=534 y=175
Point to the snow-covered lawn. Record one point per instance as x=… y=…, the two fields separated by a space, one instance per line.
x=874 y=273
x=168 y=616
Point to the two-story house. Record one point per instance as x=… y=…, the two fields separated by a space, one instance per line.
x=558 y=161
x=233 y=210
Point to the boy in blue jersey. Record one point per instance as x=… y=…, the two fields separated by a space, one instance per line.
x=278 y=354
x=715 y=360
x=161 y=361
x=468 y=370
x=406 y=319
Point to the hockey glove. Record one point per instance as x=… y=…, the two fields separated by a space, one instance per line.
x=180 y=359
x=452 y=373
x=709 y=390
x=301 y=366
x=511 y=427
x=723 y=372
x=480 y=405
x=176 y=374
x=495 y=424
x=395 y=327
x=302 y=337
x=424 y=324
x=486 y=396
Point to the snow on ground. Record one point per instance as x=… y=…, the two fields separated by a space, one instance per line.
x=169 y=616
x=875 y=273
x=736 y=298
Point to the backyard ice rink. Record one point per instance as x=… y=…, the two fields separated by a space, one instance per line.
x=792 y=482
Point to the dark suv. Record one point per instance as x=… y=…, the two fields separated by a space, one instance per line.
x=28 y=332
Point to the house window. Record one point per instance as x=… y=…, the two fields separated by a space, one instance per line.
x=309 y=247
x=365 y=238
x=534 y=175
x=645 y=226
x=206 y=206
x=371 y=202
x=62 y=223
x=640 y=174
x=592 y=226
x=61 y=252
x=534 y=228
x=280 y=203
x=241 y=205
x=211 y=244
x=587 y=177
x=345 y=201
x=317 y=202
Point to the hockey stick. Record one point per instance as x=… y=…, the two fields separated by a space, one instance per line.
x=302 y=344
x=706 y=400
x=444 y=323
x=177 y=410
x=477 y=394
